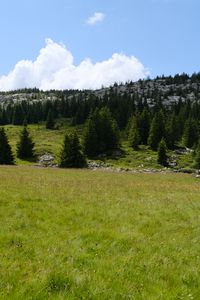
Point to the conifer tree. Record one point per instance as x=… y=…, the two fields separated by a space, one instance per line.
x=172 y=131
x=71 y=155
x=50 y=122
x=133 y=136
x=107 y=131
x=25 y=146
x=182 y=117
x=3 y=117
x=190 y=134
x=90 y=142
x=6 y=156
x=157 y=130
x=18 y=115
x=162 y=153
x=144 y=126
x=101 y=133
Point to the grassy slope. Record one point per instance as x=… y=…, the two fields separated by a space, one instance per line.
x=45 y=140
x=51 y=141
x=74 y=234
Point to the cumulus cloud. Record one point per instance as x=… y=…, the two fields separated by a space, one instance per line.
x=54 y=69
x=97 y=17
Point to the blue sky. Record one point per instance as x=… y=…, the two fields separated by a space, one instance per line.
x=162 y=34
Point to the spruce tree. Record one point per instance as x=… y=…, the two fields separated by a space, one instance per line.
x=71 y=155
x=157 y=130
x=133 y=136
x=101 y=133
x=50 y=122
x=6 y=156
x=190 y=134
x=182 y=117
x=25 y=146
x=3 y=117
x=162 y=153
x=18 y=115
x=172 y=131
x=107 y=131
x=90 y=142
x=144 y=126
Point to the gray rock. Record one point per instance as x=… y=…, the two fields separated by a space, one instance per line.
x=46 y=160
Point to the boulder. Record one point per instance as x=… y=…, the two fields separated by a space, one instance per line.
x=46 y=160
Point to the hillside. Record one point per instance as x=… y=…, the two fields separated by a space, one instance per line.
x=172 y=102
x=170 y=89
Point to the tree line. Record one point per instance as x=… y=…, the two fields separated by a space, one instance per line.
x=101 y=134
x=78 y=105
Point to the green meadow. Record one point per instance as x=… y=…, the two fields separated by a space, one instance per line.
x=80 y=234
x=50 y=141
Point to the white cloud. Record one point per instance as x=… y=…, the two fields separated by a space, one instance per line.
x=97 y=17
x=54 y=69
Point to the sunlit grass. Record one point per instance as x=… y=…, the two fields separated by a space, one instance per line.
x=50 y=141
x=77 y=234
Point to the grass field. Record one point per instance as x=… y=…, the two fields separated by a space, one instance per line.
x=79 y=234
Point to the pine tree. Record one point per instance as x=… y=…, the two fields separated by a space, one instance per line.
x=80 y=115
x=25 y=146
x=18 y=115
x=172 y=132
x=162 y=153
x=101 y=133
x=50 y=122
x=157 y=130
x=71 y=155
x=190 y=134
x=133 y=136
x=107 y=131
x=144 y=126
x=3 y=117
x=6 y=156
x=90 y=142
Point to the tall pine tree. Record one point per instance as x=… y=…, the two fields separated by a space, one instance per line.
x=101 y=133
x=71 y=155
x=162 y=153
x=6 y=156
x=190 y=134
x=50 y=122
x=25 y=146
x=18 y=115
x=157 y=130
x=172 y=131
x=133 y=136
x=90 y=141
x=144 y=126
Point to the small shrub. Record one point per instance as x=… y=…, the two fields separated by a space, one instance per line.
x=58 y=283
